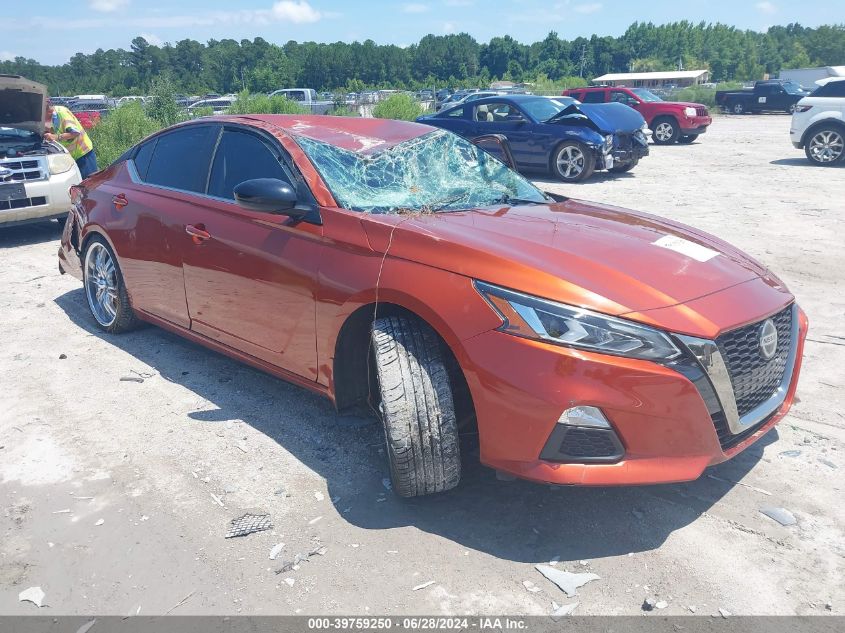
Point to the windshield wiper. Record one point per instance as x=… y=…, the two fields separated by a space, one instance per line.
x=442 y=204
x=511 y=200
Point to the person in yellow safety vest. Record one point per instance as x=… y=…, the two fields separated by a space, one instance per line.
x=68 y=131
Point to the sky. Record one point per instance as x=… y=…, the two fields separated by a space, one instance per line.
x=36 y=32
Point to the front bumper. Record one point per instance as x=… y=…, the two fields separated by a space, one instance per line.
x=45 y=199
x=658 y=413
x=695 y=125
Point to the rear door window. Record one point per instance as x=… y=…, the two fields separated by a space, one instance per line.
x=243 y=156
x=143 y=157
x=595 y=96
x=181 y=158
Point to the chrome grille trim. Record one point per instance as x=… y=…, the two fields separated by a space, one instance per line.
x=26 y=168
x=711 y=360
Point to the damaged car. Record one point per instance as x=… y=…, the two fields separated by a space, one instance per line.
x=35 y=175
x=556 y=135
x=402 y=270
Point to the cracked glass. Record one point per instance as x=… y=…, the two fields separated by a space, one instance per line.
x=438 y=171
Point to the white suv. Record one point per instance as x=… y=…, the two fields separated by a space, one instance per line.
x=818 y=124
x=35 y=175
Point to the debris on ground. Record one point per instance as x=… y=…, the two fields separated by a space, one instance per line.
x=827 y=463
x=65 y=511
x=649 y=604
x=319 y=496
x=661 y=604
x=792 y=453
x=386 y=483
x=131 y=379
x=781 y=515
x=724 y=613
x=62 y=356
x=217 y=500
x=691 y=608
x=530 y=586
x=86 y=627
x=423 y=585
x=277 y=549
x=35 y=595
x=567 y=581
x=554 y=561
x=242 y=447
x=180 y=603
x=560 y=611
x=315 y=519
x=100 y=522
x=247 y=524
x=301 y=558
x=290 y=581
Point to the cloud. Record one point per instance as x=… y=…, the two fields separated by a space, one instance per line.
x=414 y=7
x=6 y=56
x=107 y=6
x=590 y=7
x=449 y=27
x=153 y=39
x=298 y=12
x=459 y=3
x=766 y=7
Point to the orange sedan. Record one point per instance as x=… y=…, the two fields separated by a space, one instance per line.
x=393 y=265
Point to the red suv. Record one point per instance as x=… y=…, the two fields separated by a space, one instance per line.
x=670 y=121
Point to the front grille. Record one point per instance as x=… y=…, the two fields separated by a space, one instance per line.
x=701 y=111
x=755 y=379
x=24 y=170
x=23 y=203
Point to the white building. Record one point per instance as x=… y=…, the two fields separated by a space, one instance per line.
x=662 y=79
x=807 y=77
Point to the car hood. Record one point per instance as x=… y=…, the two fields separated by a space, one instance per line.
x=601 y=257
x=22 y=103
x=682 y=104
x=610 y=117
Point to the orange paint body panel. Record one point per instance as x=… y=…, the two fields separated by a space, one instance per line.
x=276 y=293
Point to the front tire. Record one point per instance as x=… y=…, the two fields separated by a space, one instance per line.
x=687 y=138
x=825 y=147
x=105 y=290
x=573 y=162
x=737 y=108
x=665 y=131
x=418 y=410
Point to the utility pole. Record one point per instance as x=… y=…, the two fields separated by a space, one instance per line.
x=680 y=62
x=583 y=59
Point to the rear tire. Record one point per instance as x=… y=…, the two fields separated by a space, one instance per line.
x=573 y=162
x=825 y=146
x=418 y=410
x=687 y=139
x=105 y=291
x=665 y=130
x=737 y=107
x=621 y=169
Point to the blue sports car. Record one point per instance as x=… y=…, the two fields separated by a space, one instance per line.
x=553 y=134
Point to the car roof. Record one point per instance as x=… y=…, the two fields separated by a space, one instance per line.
x=355 y=134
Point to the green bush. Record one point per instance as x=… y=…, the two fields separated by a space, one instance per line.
x=702 y=94
x=399 y=106
x=162 y=108
x=247 y=103
x=343 y=111
x=120 y=130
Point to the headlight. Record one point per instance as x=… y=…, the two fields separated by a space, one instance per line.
x=60 y=163
x=608 y=143
x=690 y=112
x=541 y=319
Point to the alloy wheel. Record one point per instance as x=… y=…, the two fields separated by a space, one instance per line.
x=738 y=108
x=827 y=146
x=663 y=131
x=101 y=284
x=570 y=162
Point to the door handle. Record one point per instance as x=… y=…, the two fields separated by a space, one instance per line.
x=197 y=232
x=119 y=201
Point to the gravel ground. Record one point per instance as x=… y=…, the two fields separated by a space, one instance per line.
x=166 y=463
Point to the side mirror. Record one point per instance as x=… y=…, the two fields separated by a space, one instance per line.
x=268 y=195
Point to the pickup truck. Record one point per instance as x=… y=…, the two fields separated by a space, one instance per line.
x=669 y=121
x=766 y=96
x=306 y=97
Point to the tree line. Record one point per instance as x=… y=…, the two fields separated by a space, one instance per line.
x=455 y=60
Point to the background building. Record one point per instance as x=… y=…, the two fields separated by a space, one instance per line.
x=670 y=78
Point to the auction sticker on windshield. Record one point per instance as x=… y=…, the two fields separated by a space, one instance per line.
x=685 y=247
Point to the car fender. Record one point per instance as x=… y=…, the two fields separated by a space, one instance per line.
x=824 y=117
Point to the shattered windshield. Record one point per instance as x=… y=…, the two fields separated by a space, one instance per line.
x=543 y=109
x=438 y=171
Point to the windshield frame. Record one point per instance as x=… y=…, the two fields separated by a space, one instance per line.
x=649 y=98
x=439 y=204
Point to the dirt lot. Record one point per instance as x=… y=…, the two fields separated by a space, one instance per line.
x=152 y=459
